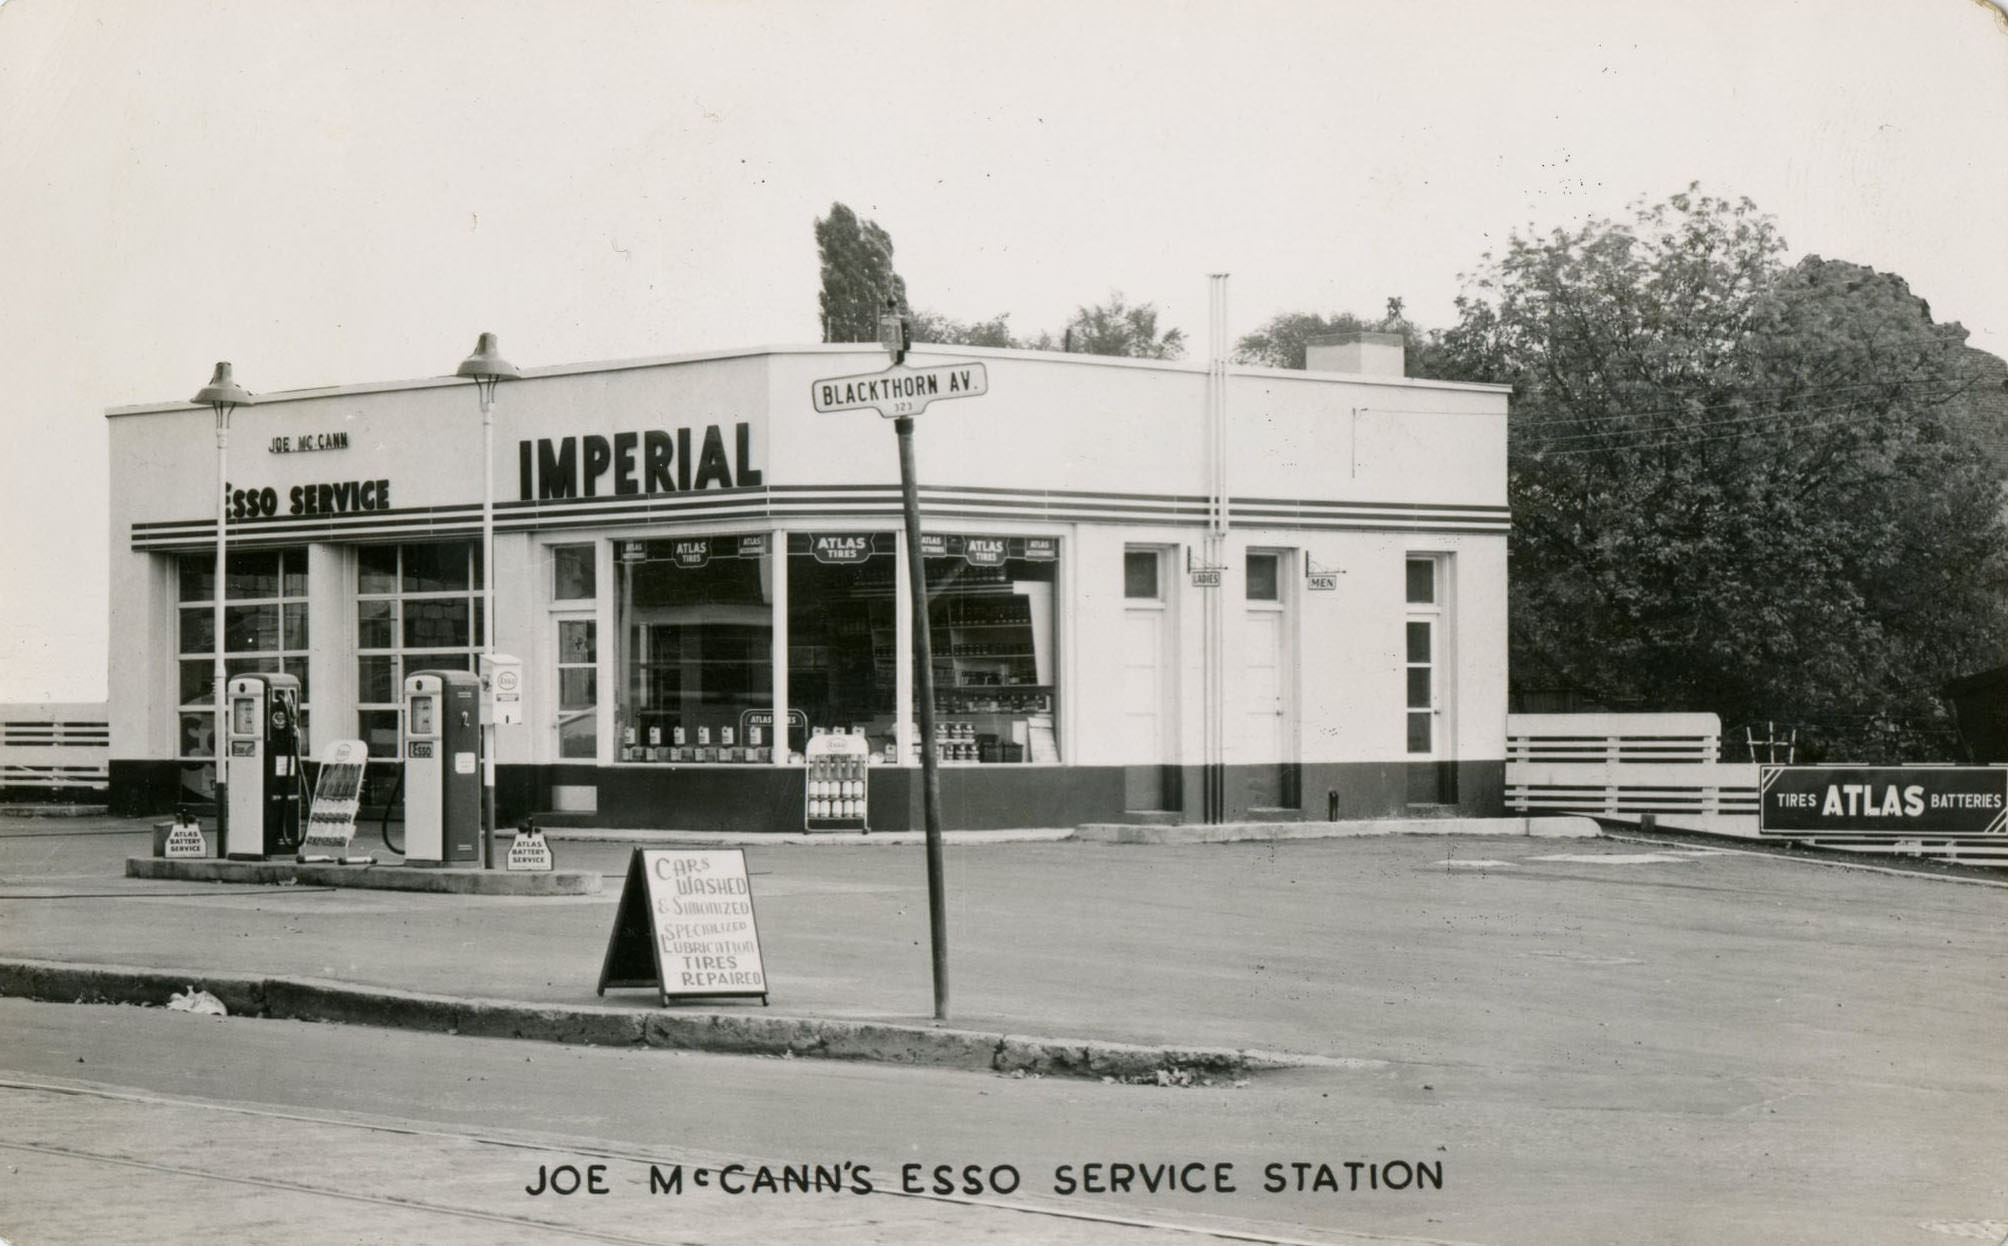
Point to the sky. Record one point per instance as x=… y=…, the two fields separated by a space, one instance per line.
x=335 y=193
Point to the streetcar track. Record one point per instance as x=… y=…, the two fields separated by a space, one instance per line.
x=261 y=889
x=711 y=1160
x=296 y=1187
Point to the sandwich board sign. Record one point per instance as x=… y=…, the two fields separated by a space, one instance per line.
x=685 y=927
x=338 y=790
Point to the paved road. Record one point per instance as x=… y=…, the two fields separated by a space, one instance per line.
x=126 y=1124
x=1601 y=1042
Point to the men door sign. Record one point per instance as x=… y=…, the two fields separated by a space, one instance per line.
x=685 y=927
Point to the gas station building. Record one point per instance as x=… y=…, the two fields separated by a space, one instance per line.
x=1157 y=591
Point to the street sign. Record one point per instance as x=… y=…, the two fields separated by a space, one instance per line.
x=899 y=390
x=1883 y=800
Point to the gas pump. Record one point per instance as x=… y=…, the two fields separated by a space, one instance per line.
x=442 y=775
x=263 y=766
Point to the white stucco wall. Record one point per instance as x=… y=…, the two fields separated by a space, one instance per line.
x=1355 y=472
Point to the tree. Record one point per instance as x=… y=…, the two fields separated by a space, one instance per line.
x=1734 y=484
x=1280 y=343
x=858 y=277
x=1115 y=328
x=932 y=326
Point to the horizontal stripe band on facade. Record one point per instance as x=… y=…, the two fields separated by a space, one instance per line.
x=863 y=503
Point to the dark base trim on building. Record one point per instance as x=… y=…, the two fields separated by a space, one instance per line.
x=142 y=788
x=1332 y=792
x=754 y=799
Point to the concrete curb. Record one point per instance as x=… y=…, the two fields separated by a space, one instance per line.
x=820 y=839
x=1558 y=827
x=1552 y=827
x=734 y=1033
x=458 y=882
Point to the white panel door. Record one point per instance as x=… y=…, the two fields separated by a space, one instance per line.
x=1263 y=743
x=1146 y=677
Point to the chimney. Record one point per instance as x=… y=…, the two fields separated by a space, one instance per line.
x=1363 y=352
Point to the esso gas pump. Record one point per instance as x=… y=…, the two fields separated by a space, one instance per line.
x=262 y=766
x=441 y=729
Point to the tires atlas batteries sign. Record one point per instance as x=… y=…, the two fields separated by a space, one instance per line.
x=1902 y=801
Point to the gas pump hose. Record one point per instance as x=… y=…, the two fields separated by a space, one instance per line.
x=383 y=827
x=303 y=799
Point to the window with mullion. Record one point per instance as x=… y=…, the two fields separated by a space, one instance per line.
x=1432 y=773
x=418 y=607
x=264 y=631
x=1423 y=623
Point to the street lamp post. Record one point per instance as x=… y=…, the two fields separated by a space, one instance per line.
x=486 y=367
x=222 y=395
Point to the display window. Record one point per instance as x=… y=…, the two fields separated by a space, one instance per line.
x=843 y=655
x=697 y=652
x=264 y=630
x=418 y=608
x=990 y=611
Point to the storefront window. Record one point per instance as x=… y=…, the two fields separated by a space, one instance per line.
x=697 y=622
x=843 y=661
x=418 y=608
x=990 y=617
x=264 y=630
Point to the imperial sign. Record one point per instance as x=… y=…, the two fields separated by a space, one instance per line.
x=899 y=390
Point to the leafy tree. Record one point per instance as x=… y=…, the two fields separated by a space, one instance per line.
x=1111 y=328
x=858 y=277
x=1735 y=485
x=1280 y=343
x=931 y=326
x=1116 y=328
